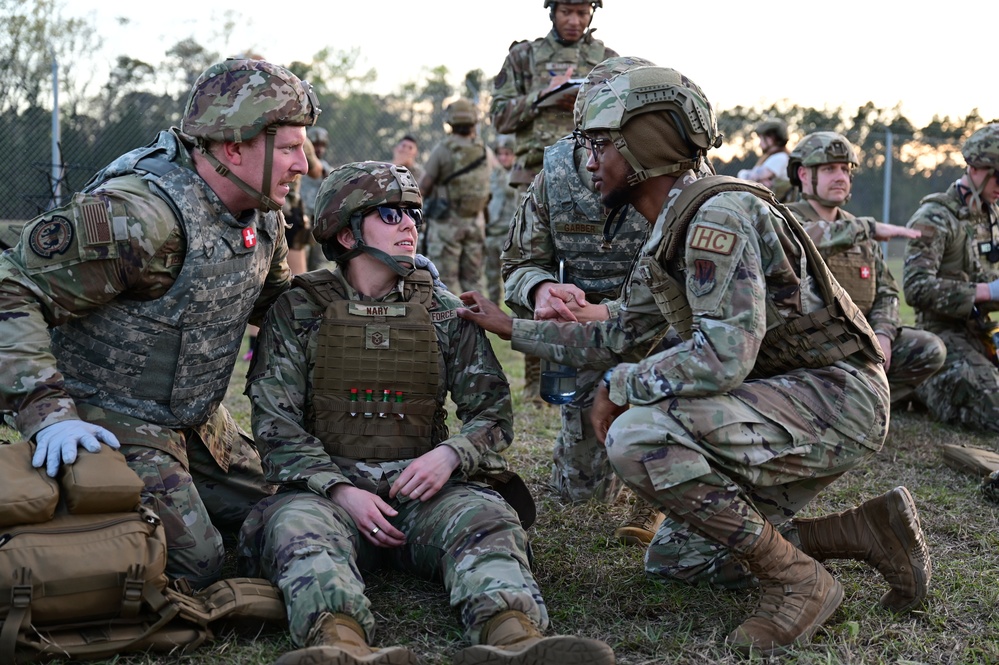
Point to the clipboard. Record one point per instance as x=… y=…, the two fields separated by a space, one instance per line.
x=568 y=89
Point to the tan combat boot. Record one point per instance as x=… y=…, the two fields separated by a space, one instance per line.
x=511 y=638
x=883 y=532
x=798 y=596
x=642 y=524
x=337 y=639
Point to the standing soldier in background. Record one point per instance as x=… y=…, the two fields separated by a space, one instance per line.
x=320 y=139
x=122 y=312
x=771 y=168
x=951 y=279
x=531 y=72
x=457 y=175
x=499 y=214
x=405 y=152
x=821 y=167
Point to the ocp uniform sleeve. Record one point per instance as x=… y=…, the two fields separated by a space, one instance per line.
x=529 y=256
x=479 y=389
x=927 y=282
x=70 y=261
x=512 y=107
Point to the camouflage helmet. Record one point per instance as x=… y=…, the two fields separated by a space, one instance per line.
x=506 y=141
x=351 y=190
x=461 y=112
x=236 y=99
x=593 y=3
x=641 y=90
x=601 y=73
x=318 y=135
x=981 y=150
x=773 y=127
x=820 y=148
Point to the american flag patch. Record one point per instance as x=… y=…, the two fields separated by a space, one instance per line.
x=96 y=223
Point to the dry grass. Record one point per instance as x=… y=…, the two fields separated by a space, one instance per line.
x=596 y=588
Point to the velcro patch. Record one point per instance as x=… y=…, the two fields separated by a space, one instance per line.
x=376 y=336
x=96 y=222
x=376 y=309
x=581 y=228
x=446 y=315
x=702 y=280
x=711 y=240
x=51 y=236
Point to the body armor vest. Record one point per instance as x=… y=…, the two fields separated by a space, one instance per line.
x=813 y=340
x=169 y=361
x=854 y=268
x=597 y=259
x=469 y=191
x=376 y=347
x=549 y=58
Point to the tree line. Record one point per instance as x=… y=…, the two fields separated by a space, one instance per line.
x=100 y=120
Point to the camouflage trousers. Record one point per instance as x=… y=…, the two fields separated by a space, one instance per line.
x=456 y=245
x=966 y=390
x=719 y=466
x=916 y=355
x=493 y=267
x=192 y=495
x=580 y=468
x=466 y=536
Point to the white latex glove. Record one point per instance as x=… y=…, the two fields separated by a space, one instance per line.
x=57 y=443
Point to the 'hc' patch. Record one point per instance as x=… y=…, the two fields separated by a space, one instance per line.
x=712 y=240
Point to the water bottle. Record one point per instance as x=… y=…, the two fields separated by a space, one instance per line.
x=558 y=382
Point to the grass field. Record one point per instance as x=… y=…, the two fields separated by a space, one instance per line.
x=595 y=588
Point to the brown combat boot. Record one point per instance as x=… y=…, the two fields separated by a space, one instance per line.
x=798 y=596
x=337 y=639
x=511 y=638
x=883 y=532
x=642 y=524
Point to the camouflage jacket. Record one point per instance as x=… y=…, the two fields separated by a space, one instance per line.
x=945 y=263
x=527 y=70
x=103 y=247
x=854 y=257
x=280 y=379
x=468 y=192
x=502 y=203
x=563 y=218
x=739 y=267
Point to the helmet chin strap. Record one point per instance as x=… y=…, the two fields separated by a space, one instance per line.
x=393 y=262
x=558 y=36
x=266 y=202
x=976 y=190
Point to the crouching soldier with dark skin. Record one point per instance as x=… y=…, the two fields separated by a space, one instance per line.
x=775 y=391
x=373 y=482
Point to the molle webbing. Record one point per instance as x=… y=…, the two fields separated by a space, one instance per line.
x=813 y=340
x=376 y=346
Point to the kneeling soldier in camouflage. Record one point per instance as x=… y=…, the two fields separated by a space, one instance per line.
x=348 y=387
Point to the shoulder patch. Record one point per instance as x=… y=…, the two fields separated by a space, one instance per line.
x=711 y=240
x=51 y=236
x=96 y=222
x=500 y=80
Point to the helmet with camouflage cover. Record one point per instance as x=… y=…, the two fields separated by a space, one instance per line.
x=658 y=119
x=461 y=112
x=774 y=127
x=981 y=150
x=237 y=99
x=600 y=74
x=506 y=141
x=348 y=193
x=813 y=151
x=318 y=135
x=551 y=6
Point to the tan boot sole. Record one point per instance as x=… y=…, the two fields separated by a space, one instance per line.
x=904 y=520
x=327 y=655
x=559 y=650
